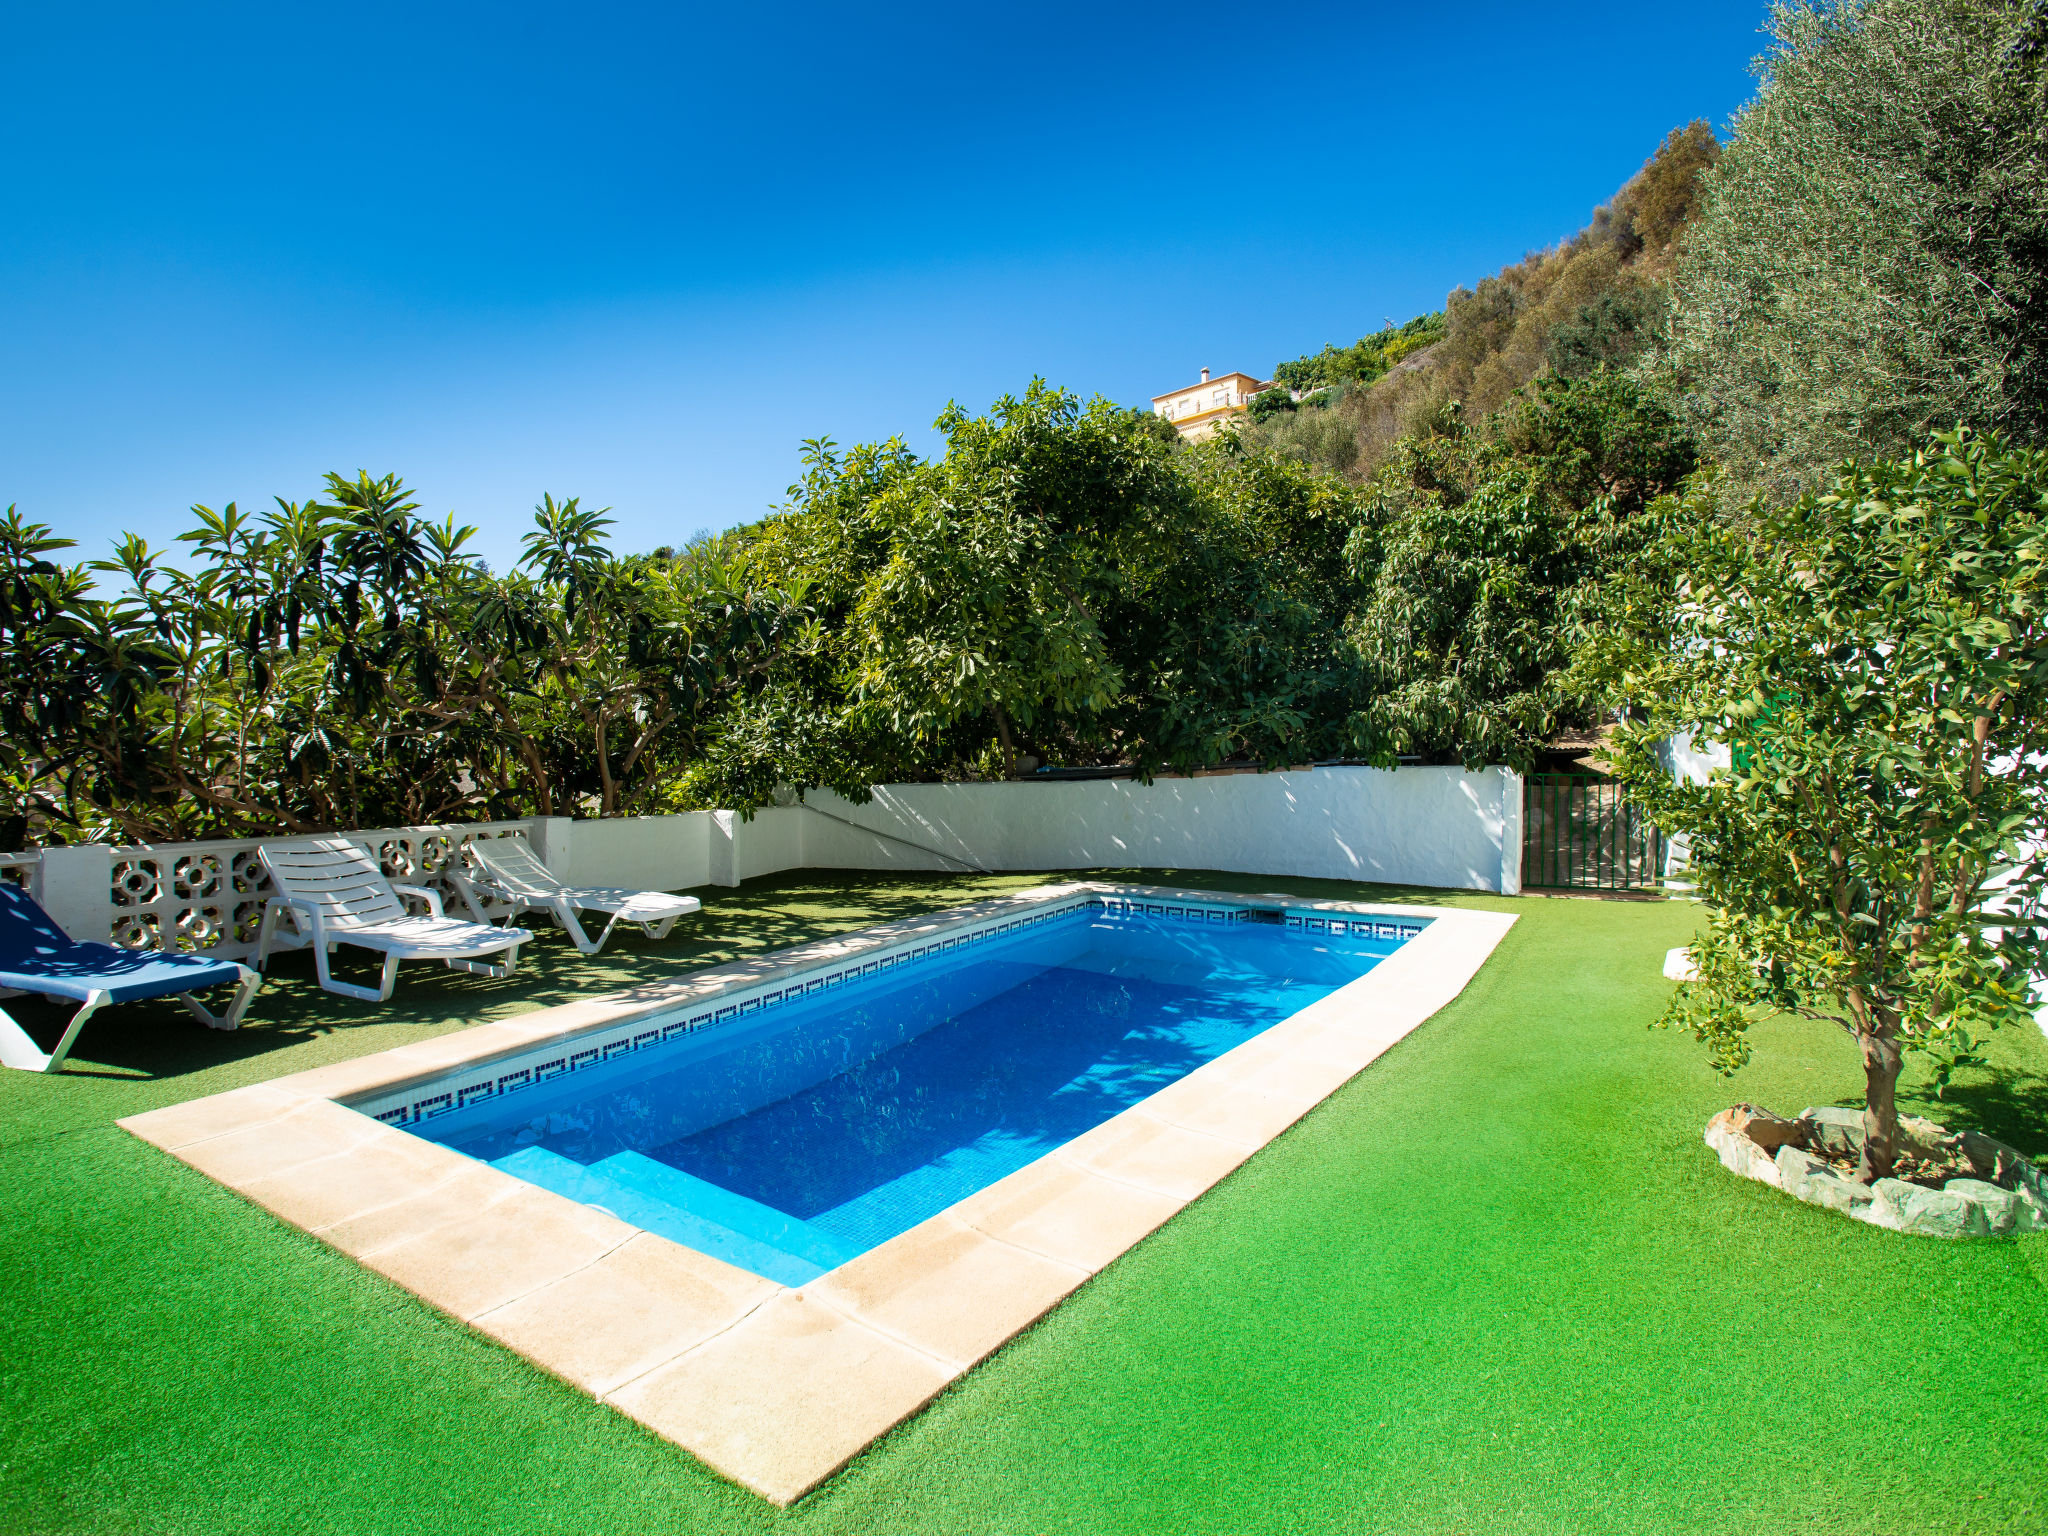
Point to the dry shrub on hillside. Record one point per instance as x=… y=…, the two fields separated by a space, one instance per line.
x=1594 y=300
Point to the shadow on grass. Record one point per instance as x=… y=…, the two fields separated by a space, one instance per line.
x=158 y=1040
x=2009 y=1105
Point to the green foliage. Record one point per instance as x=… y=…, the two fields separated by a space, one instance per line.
x=1610 y=332
x=1877 y=656
x=1061 y=583
x=1233 y=637
x=344 y=663
x=1270 y=402
x=1364 y=360
x=1483 y=561
x=1312 y=435
x=1869 y=261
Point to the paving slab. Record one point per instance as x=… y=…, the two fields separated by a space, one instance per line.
x=786 y=1397
x=638 y=1307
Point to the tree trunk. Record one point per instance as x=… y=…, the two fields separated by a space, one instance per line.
x=1881 y=1060
x=1009 y=749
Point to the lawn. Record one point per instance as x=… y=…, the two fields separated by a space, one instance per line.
x=1495 y=1284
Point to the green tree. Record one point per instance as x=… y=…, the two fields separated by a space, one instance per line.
x=345 y=663
x=1062 y=584
x=1481 y=561
x=1001 y=560
x=1364 y=360
x=1868 y=264
x=1228 y=624
x=1876 y=656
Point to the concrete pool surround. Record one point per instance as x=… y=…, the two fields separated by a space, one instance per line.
x=774 y=1387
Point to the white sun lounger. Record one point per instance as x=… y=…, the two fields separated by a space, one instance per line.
x=333 y=893
x=507 y=867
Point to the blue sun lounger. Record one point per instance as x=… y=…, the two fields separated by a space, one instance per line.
x=38 y=956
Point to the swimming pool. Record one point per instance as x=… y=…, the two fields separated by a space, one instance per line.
x=788 y=1135
x=806 y=1143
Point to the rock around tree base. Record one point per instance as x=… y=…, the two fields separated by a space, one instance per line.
x=1986 y=1188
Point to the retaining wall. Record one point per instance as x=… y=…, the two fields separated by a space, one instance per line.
x=1437 y=827
x=1411 y=826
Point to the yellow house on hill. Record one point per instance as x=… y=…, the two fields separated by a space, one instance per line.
x=1196 y=410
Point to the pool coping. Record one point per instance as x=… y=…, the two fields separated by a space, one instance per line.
x=774 y=1387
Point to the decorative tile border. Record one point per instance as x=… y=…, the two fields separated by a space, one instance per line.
x=1375 y=927
x=773 y=1387
x=1185 y=911
x=1361 y=927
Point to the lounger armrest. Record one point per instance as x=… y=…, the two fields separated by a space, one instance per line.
x=305 y=918
x=305 y=927
x=431 y=898
x=474 y=889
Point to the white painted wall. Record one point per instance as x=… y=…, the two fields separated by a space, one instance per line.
x=649 y=853
x=1690 y=762
x=1413 y=826
x=74 y=886
x=772 y=842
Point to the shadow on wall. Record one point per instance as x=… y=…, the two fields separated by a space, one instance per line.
x=1438 y=827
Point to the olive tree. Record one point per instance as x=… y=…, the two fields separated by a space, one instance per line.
x=1867 y=266
x=1875 y=657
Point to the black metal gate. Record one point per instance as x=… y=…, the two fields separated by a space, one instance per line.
x=1578 y=833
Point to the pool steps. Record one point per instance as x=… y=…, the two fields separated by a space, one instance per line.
x=689 y=1210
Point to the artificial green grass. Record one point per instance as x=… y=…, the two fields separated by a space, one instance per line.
x=1495 y=1284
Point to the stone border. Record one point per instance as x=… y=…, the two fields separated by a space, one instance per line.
x=2010 y=1196
x=779 y=1388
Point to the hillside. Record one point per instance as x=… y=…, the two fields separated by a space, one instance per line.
x=1596 y=299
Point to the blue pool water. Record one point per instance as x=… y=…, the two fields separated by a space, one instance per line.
x=790 y=1141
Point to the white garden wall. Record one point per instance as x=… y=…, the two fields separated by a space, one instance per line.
x=649 y=853
x=1690 y=762
x=1411 y=826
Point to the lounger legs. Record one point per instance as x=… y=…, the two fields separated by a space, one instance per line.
x=497 y=970
x=656 y=931
x=565 y=915
x=245 y=991
x=377 y=994
x=17 y=1050
x=381 y=993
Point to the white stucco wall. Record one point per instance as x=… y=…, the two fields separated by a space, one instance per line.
x=1689 y=762
x=654 y=853
x=772 y=842
x=1412 y=826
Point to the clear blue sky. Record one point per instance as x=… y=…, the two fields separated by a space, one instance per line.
x=637 y=253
